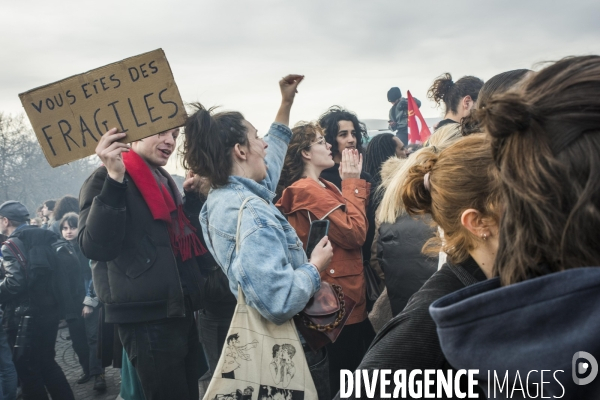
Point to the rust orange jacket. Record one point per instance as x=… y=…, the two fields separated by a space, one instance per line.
x=305 y=201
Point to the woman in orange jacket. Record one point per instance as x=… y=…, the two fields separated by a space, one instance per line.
x=305 y=197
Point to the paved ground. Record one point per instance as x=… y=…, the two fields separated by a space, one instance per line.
x=66 y=358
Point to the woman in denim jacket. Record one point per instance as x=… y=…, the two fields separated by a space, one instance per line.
x=271 y=266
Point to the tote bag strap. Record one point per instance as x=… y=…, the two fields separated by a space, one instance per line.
x=239 y=220
x=241 y=298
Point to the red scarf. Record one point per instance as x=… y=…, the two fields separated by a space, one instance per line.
x=163 y=207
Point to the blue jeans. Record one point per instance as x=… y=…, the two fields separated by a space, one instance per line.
x=8 y=373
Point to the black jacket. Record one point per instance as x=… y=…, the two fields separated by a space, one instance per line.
x=84 y=262
x=18 y=291
x=410 y=341
x=405 y=267
x=135 y=272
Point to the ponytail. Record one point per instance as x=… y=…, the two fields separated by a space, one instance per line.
x=438 y=92
x=446 y=184
x=208 y=141
x=416 y=192
x=444 y=89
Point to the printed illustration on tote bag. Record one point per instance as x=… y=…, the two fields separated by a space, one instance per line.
x=282 y=367
x=234 y=351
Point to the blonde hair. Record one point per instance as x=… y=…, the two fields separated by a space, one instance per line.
x=391 y=206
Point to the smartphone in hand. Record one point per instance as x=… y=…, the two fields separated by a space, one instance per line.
x=318 y=230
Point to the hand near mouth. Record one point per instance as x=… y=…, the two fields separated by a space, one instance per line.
x=351 y=164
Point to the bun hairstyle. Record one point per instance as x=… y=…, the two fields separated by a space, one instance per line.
x=495 y=85
x=446 y=184
x=545 y=143
x=303 y=135
x=445 y=90
x=506 y=115
x=208 y=141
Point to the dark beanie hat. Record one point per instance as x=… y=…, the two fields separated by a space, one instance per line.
x=14 y=211
x=394 y=94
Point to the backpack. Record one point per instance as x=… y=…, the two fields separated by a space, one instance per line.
x=46 y=260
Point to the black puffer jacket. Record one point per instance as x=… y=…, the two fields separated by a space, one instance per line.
x=406 y=269
x=136 y=274
x=43 y=288
x=84 y=262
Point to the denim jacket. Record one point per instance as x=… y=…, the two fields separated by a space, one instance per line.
x=271 y=265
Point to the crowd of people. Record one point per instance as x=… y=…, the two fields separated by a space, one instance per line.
x=472 y=251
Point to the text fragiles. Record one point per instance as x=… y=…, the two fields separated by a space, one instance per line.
x=78 y=129
x=74 y=131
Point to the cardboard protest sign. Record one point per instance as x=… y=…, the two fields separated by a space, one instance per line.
x=137 y=95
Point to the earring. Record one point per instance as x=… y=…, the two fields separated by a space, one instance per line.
x=484 y=236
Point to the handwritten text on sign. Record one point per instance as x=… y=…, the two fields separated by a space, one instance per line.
x=137 y=95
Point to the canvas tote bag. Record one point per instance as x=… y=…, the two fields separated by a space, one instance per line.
x=260 y=360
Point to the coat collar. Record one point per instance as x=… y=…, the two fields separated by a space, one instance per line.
x=256 y=188
x=307 y=194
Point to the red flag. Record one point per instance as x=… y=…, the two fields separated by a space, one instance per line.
x=416 y=134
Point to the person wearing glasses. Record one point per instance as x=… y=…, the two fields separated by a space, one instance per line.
x=305 y=197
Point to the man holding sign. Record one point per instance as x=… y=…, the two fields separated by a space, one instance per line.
x=136 y=226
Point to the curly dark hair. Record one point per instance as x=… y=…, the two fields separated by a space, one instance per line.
x=303 y=135
x=209 y=138
x=329 y=122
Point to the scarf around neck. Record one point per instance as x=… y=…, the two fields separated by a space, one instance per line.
x=164 y=207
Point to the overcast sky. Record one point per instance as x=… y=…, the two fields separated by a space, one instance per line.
x=232 y=53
